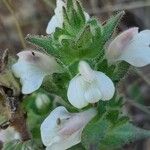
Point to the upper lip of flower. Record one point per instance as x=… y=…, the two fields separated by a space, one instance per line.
x=120 y=43
x=86 y=72
x=130 y=46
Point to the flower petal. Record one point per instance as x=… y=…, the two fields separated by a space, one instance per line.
x=31 y=77
x=93 y=94
x=47 y=63
x=142 y=38
x=57 y=19
x=67 y=143
x=49 y=130
x=137 y=56
x=86 y=71
x=77 y=121
x=69 y=134
x=76 y=92
x=118 y=45
x=89 y=87
x=138 y=52
x=59 y=9
x=52 y=24
x=105 y=85
x=32 y=67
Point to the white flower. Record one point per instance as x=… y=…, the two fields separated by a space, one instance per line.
x=42 y=100
x=57 y=19
x=131 y=46
x=89 y=87
x=32 y=67
x=9 y=134
x=62 y=130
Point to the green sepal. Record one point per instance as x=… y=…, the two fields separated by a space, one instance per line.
x=116 y=72
x=44 y=42
x=76 y=40
x=120 y=71
x=115 y=104
x=110 y=26
x=74 y=17
x=57 y=84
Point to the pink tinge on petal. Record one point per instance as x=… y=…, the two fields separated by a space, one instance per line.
x=45 y=62
x=117 y=46
x=61 y=129
x=31 y=56
x=127 y=36
x=77 y=122
x=72 y=125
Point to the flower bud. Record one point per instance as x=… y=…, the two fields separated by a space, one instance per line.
x=42 y=101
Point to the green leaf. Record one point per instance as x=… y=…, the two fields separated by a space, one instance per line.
x=107 y=31
x=123 y=134
x=94 y=133
x=101 y=134
x=114 y=104
x=110 y=128
x=115 y=72
x=77 y=39
x=44 y=42
x=120 y=71
x=75 y=15
x=84 y=37
x=57 y=84
x=80 y=12
x=110 y=26
x=105 y=68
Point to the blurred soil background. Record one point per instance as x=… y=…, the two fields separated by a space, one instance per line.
x=21 y=17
